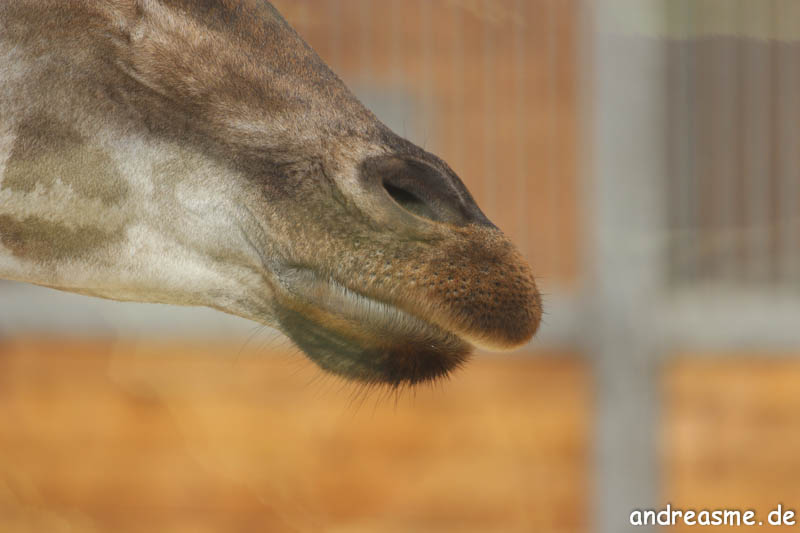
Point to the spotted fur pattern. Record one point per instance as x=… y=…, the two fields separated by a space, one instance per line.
x=200 y=153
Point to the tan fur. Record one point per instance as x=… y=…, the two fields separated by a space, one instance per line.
x=200 y=153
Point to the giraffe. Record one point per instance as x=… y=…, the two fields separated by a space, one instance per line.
x=200 y=153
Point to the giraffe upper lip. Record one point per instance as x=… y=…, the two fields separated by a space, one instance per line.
x=331 y=295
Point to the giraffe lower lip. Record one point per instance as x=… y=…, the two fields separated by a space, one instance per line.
x=363 y=339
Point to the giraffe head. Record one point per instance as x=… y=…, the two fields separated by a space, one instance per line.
x=246 y=177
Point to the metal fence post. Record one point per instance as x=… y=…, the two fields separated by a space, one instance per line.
x=625 y=172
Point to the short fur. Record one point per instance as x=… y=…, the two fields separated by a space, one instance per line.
x=200 y=153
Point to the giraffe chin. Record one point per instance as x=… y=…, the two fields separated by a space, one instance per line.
x=364 y=340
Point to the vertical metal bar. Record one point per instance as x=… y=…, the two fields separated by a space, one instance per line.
x=721 y=145
x=554 y=185
x=741 y=257
x=302 y=17
x=426 y=43
x=489 y=116
x=700 y=125
x=458 y=86
x=774 y=219
x=723 y=164
x=628 y=170
x=757 y=139
x=695 y=138
x=786 y=15
x=521 y=119
x=681 y=140
x=365 y=41
x=397 y=65
x=396 y=72
x=334 y=28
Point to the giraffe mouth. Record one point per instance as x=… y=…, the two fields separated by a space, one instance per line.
x=352 y=335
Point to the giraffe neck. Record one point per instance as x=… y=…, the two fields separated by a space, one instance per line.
x=93 y=200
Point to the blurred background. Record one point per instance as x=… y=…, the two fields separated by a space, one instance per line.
x=645 y=157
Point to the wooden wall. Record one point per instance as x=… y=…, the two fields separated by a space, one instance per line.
x=99 y=436
x=174 y=436
x=731 y=433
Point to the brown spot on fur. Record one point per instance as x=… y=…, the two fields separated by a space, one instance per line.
x=41 y=240
x=47 y=150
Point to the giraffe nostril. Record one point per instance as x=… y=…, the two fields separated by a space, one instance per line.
x=410 y=201
x=422 y=189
